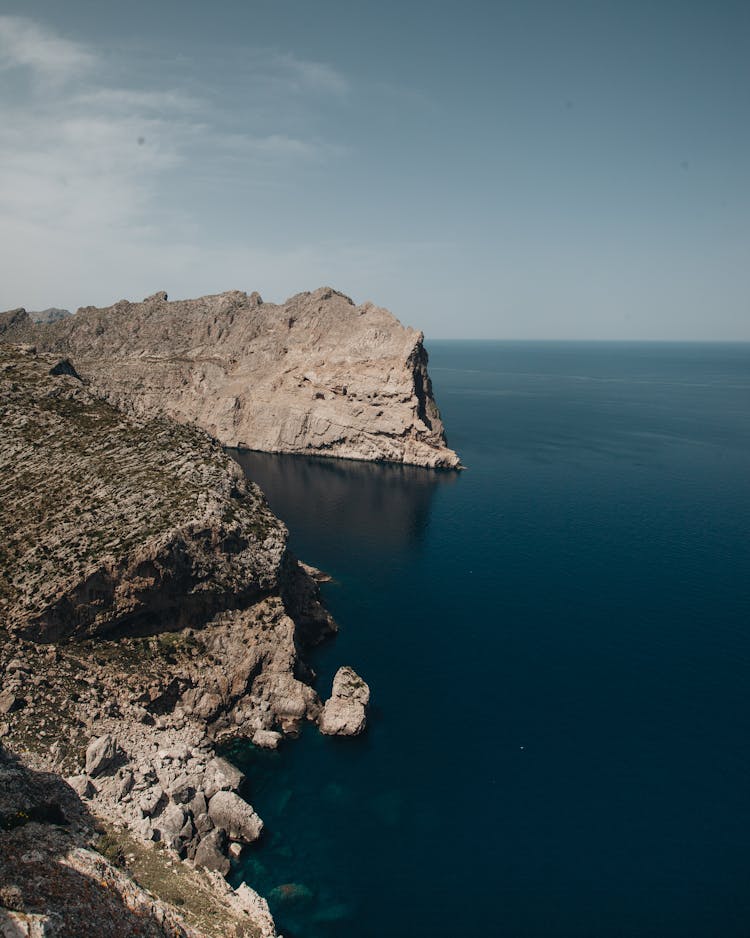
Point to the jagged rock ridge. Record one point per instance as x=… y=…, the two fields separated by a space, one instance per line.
x=52 y=314
x=315 y=375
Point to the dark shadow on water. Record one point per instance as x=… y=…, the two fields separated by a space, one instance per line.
x=391 y=503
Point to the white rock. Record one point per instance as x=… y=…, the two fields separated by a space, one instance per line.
x=266 y=739
x=169 y=824
x=151 y=799
x=237 y=817
x=257 y=908
x=100 y=754
x=314 y=375
x=221 y=776
x=81 y=785
x=345 y=712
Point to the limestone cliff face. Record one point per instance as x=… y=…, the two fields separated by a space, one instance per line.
x=315 y=375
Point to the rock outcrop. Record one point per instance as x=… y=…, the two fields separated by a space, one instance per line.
x=52 y=314
x=100 y=754
x=315 y=375
x=113 y=521
x=345 y=712
x=62 y=874
x=149 y=607
x=230 y=813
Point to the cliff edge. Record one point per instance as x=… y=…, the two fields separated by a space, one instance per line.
x=315 y=375
x=149 y=607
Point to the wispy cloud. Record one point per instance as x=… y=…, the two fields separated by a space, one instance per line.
x=305 y=76
x=99 y=153
x=24 y=43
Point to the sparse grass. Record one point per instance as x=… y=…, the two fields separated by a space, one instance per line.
x=82 y=484
x=158 y=871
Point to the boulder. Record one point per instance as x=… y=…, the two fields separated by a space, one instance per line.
x=203 y=823
x=10 y=702
x=170 y=824
x=182 y=789
x=81 y=785
x=100 y=754
x=210 y=852
x=345 y=712
x=266 y=739
x=237 y=817
x=221 y=775
x=198 y=804
x=187 y=831
x=151 y=800
x=124 y=784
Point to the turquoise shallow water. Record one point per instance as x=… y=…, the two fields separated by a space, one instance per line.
x=558 y=643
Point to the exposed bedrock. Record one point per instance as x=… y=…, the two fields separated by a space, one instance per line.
x=314 y=375
x=149 y=608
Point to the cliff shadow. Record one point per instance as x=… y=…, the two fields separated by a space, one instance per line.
x=50 y=876
x=386 y=502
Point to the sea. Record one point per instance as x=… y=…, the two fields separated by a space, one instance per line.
x=557 y=640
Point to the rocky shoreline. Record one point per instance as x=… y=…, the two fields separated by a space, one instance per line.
x=149 y=610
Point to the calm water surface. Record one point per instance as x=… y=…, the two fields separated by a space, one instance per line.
x=558 y=644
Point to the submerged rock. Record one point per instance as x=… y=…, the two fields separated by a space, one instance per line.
x=292 y=893
x=345 y=712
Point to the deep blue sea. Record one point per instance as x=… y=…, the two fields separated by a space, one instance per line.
x=558 y=646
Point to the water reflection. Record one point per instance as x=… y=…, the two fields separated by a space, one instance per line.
x=387 y=503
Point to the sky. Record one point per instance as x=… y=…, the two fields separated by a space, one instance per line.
x=576 y=169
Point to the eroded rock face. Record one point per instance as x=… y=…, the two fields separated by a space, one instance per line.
x=315 y=375
x=149 y=608
x=142 y=522
x=256 y=906
x=345 y=712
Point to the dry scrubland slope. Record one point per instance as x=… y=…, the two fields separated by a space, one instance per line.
x=148 y=606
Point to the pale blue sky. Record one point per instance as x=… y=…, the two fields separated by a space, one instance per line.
x=507 y=169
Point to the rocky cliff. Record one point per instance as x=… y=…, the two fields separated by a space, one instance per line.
x=315 y=375
x=149 y=607
x=52 y=314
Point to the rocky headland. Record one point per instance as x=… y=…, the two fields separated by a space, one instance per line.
x=149 y=608
x=315 y=375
